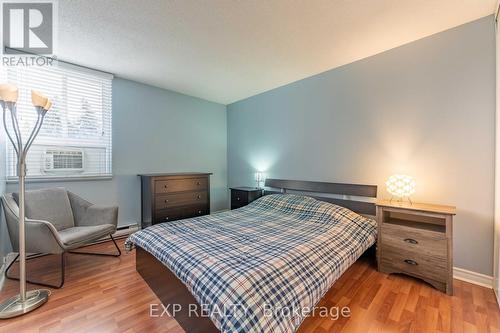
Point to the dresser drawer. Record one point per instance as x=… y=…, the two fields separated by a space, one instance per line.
x=168 y=215
x=412 y=239
x=413 y=263
x=180 y=199
x=173 y=214
x=195 y=210
x=181 y=185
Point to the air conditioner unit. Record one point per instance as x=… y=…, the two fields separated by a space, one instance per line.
x=64 y=160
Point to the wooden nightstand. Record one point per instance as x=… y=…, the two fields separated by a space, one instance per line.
x=242 y=196
x=416 y=239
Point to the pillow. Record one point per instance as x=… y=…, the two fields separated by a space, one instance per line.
x=308 y=208
x=288 y=203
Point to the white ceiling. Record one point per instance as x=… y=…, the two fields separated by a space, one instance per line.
x=227 y=50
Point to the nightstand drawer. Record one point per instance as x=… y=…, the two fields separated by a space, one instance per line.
x=239 y=197
x=413 y=263
x=413 y=239
x=238 y=205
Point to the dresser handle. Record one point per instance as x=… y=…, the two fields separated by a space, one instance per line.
x=198 y=197
x=166 y=200
x=411 y=262
x=198 y=183
x=411 y=241
x=199 y=212
x=238 y=199
x=166 y=186
x=166 y=218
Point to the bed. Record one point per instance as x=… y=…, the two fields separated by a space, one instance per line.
x=241 y=270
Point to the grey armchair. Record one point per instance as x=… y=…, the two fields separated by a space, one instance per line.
x=58 y=221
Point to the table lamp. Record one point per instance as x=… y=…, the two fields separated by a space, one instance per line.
x=401 y=186
x=259 y=178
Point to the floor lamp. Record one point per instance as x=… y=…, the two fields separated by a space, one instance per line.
x=26 y=301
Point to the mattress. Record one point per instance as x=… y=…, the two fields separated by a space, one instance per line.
x=262 y=267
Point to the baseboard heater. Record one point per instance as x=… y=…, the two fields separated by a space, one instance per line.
x=121 y=232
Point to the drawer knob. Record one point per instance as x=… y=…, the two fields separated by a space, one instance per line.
x=166 y=186
x=197 y=183
x=238 y=199
x=198 y=197
x=411 y=241
x=199 y=212
x=411 y=262
x=166 y=218
x=166 y=200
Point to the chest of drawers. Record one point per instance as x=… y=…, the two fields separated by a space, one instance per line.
x=174 y=196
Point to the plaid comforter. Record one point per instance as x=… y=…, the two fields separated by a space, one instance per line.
x=279 y=252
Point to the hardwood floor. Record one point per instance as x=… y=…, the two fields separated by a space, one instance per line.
x=104 y=294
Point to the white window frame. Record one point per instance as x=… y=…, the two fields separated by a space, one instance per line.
x=69 y=143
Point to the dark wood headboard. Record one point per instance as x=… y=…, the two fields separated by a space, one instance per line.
x=315 y=189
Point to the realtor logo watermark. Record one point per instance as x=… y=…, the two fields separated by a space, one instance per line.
x=28 y=36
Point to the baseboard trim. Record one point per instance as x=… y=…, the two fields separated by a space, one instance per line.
x=473 y=277
x=126 y=230
x=121 y=232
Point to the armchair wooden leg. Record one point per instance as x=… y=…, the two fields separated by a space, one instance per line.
x=58 y=286
x=102 y=254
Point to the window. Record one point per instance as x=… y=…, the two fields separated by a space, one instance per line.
x=75 y=139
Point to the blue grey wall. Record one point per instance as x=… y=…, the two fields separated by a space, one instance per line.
x=156 y=130
x=425 y=109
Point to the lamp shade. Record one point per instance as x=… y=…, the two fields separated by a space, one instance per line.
x=48 y=105
x=400 y=185
x=8 y=93
x=38 y=99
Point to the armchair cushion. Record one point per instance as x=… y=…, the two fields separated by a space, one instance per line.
x=51 y=204
x=76 y=235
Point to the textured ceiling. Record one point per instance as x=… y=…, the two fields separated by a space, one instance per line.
x=227 y=50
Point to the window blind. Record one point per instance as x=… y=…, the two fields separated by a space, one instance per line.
x=75 y=139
